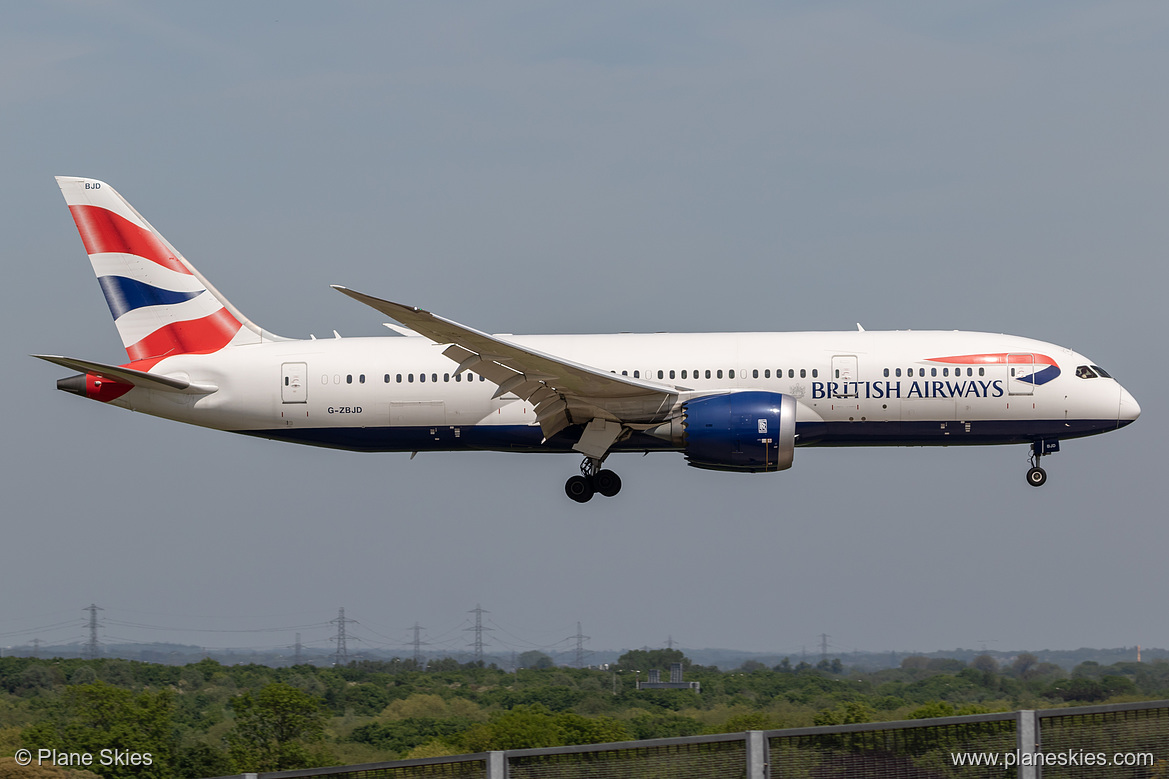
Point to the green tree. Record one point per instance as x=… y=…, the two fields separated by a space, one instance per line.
x=534 y=726
x=985 y=663
x=535 y=659
x=751 y=720
x=848 y=713
x=98 y=716
x=645 y=659
x=274 y=730
x=1024 y=665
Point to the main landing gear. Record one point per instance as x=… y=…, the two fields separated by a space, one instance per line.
x=1036 y=476
x=592 y=480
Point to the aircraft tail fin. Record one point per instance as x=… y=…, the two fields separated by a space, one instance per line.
x=161 y=305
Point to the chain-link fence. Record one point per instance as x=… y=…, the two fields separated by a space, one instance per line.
x=1116 y=737
x=1126 y=741
x=900 y=750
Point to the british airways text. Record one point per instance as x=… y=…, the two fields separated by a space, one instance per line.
x=916 y=389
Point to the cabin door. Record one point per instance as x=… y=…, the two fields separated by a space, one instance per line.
x=1020 y=369
x=844 y=375
x=294 y=382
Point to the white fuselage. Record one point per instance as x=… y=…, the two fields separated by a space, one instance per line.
x=852 y=388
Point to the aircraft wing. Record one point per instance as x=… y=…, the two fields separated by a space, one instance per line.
x=563 y=392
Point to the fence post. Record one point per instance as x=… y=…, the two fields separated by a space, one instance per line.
x=1027 y=741
x=757 y=755
x=496 y=765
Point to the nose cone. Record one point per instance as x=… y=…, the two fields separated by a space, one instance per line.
x=1129 y=408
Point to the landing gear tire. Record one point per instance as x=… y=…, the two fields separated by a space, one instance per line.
x=1036 y=477
x=607 y=483
x=579 y=489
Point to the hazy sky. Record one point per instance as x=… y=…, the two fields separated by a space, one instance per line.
x=592 y=167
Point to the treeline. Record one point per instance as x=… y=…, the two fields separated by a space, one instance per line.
x=207 y=719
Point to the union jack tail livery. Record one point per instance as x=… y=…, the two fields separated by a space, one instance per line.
x=161 y=305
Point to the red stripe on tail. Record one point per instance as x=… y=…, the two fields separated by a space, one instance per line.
x=104 y=389
x=104 y=231
x=198 y=336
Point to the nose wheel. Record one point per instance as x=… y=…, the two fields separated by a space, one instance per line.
x=1036 y=476
x=593 y=480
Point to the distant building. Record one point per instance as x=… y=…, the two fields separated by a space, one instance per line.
x=655 y=680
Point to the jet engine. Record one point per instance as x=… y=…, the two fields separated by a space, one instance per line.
x=740 y=431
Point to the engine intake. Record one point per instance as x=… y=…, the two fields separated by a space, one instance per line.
x=740 y=431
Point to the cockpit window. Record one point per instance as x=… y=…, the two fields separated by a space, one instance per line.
x=1084 y=372
x=1101 y=371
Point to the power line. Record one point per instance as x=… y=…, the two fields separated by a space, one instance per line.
x=418 y=643
x=478 y=611
x=91 y=650
x=580 y=651
x=341 y=656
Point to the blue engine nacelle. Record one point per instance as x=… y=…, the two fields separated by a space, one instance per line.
x=740 y=431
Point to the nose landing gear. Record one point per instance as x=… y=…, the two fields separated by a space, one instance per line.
x=592 y=480
x=1036 y=476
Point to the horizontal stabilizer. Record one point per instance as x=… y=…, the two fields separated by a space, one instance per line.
x=130 y=376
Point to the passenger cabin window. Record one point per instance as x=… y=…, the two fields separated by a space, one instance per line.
x=803 y=373
x=898 y=373
x=755 y=373
x=361 y=379
x=708 y=373
x=387 y=378
x=815 y=373
x=720 y=373
x=731 y=373
x=671 y=374
x=349 y=378
x=662 y=375
x=886 y=373
x=399 y=378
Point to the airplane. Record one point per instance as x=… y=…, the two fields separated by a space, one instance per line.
x=738 y=402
